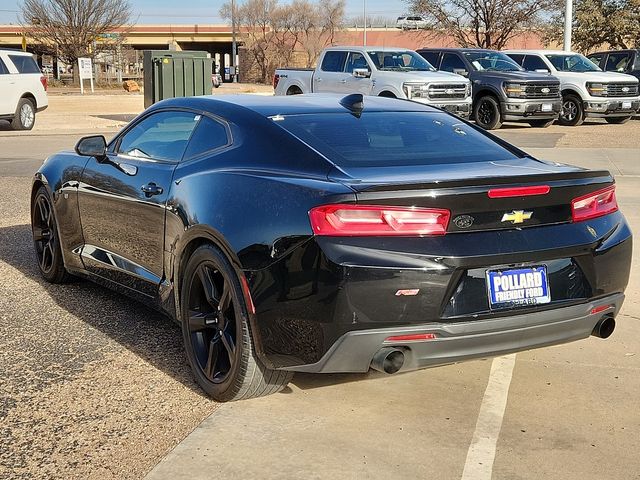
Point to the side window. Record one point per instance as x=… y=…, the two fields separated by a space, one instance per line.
x=431 y=57
x=208 y=135
x=451 y=61
x=516 y=57
x=356 y=60
x=333 y=61
x=533 y=62
x=24 y=64
x=618 y=62
x=596 y=58
x=160 y=136
x=3 y=68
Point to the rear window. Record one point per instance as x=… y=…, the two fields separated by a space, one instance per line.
x=24 y=64
x=391 y=139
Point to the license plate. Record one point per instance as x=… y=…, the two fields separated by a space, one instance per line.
x=518 y=287
x=547 y=107
x=626 y=105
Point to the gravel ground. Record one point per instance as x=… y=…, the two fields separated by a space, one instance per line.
x=93 y=385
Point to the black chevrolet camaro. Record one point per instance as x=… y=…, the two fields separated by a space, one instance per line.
x=318 y=233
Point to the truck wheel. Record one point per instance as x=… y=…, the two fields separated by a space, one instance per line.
x=294 y=91
x=618 y=120
x=215 y=328
x=572 y=113
x=386 y=94
x=486 y=112
x=541 y=123
x=25 y=117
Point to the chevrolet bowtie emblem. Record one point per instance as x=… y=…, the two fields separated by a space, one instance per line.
x=517 y=216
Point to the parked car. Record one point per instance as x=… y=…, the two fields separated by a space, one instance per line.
x=412 y=23
x=385 y=72
x=23 y=89
x=621 y=61
x=333 y=234
x=587 y=91
x=502 y=90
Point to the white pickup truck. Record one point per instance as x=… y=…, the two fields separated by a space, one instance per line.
x=385 y=72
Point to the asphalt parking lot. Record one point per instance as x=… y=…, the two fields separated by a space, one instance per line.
x=94 y=385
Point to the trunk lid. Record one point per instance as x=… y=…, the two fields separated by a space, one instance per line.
x=463 y=189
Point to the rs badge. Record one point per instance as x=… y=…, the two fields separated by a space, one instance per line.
x=517 y=216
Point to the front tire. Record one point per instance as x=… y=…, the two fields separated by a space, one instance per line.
x=486 y=113
x=25 y=116
x=572 y=113
x=617 y=120
x=216 y=334
x=541 y=123
x=45 y=238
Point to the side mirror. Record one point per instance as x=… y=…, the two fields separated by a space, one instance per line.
x=461 y=71
x=542 y=70
x=93 y=146
x=361 y=73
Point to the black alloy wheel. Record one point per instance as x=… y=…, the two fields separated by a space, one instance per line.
x=212 y=323
x=572 y=113
x=487 y=113
x=45 y=238
x=216 y=333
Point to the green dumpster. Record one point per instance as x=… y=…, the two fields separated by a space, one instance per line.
x=169 y=74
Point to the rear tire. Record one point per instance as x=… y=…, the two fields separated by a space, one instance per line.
x=294 y=91
x=541 y=123
x=572 y=113
x=387 y=95
x=216 y=333
x=486 y=113
x=25 y=117
x=45 y=238
x=617 y=120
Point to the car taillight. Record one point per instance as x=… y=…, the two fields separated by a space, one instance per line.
x=44 y=82
x=373 y=220
x=518 y=191
x=276 y=79
x=594 y=205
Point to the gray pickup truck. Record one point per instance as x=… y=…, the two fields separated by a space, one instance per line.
x=502 y=90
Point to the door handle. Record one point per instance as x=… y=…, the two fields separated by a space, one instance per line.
x=151 y=189
x=318 y=79
x=344 y=80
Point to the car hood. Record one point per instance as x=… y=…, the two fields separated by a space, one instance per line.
x=517 y=76
x=424 y=76
x=604 y=77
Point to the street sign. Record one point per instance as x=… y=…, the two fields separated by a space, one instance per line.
x=85 y=72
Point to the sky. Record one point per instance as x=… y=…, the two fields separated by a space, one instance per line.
x=206 y=11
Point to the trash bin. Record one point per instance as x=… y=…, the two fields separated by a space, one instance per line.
x=169 y=74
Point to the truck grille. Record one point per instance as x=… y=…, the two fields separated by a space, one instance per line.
x=622 y=89
x=448 y=92
x=541 y=90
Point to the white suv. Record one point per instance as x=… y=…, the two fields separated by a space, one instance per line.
x=23 y=89
x=587 y=91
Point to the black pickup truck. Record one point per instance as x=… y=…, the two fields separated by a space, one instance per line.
x=502 y=90
x=621 y=61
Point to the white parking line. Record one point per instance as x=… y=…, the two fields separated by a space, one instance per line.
x=482 y=451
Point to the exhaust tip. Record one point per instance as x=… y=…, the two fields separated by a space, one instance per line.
x=605 y=327
x=388 y=360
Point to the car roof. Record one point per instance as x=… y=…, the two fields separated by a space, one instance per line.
x=449 y=49
x=369 y=48
x=14 y=51
x=622 y=50
x=541 y=52
x=268 y=106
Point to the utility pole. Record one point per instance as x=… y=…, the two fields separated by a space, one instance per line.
x=568 y=23
x=364 y=17
x=234 y=75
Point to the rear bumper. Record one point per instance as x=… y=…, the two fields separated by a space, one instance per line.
x=456 y=342
x=531 y=109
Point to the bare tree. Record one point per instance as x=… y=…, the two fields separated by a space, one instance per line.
x=482 y=23
x=273 y=34
x=600 y=23
x=71 y=29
